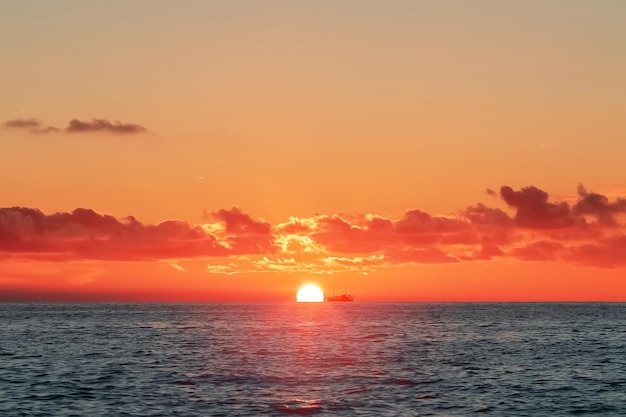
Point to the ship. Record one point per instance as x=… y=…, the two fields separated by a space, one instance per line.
x=342 y=297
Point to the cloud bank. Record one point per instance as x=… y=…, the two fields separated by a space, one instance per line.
x=76 y=126
x=590 y=232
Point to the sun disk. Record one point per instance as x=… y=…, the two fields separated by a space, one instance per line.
x=310 y=294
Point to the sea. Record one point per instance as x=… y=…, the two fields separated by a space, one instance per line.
x=322 y=359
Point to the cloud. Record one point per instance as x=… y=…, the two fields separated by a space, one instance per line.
x=538 y=251
x=426 y=255
x=86 y=234
x=338 y=235
x=534 y=210
x=321 y=266
x=486 y=252
x=30 y=125
x=599 y=206
x=76 y=126
x=102 y=125
x=482 y=215
x=22 y=124
x=371 y=233
x=588 y=232
x=609 y=252
x=418 y=222
x=176 y=266
x=245 y=235
x=240 y=223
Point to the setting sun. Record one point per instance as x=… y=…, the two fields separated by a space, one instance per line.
x=310 y=293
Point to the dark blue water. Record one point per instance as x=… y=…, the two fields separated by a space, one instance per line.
x=318 y=359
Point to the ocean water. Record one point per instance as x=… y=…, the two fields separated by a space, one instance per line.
x=352 y=359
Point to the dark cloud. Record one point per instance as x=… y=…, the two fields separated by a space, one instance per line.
x=86 y=234
x=76 y=126
x=102 y=125
x=244 y=235
x=487 y=216
x=241 y=223
x=30 y=125
x=22 y=124
x=417 y=221
x=598 y=205
x=534 y=210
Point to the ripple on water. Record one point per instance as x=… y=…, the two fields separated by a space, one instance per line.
x=286 y=359
x=299 y=407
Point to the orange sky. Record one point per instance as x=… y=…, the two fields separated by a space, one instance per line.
x=413 y=151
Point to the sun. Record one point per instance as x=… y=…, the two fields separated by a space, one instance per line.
x=310 y=294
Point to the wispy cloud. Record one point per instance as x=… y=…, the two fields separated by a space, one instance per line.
x=102 y=125
x=29 y=125
x=76 y=126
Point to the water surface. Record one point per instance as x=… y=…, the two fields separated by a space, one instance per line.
x=312 y=359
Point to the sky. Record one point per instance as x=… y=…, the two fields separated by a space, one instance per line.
x=235 y=150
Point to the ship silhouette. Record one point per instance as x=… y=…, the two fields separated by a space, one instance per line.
x=342 y=297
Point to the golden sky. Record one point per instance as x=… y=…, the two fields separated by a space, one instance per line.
x=411 y=150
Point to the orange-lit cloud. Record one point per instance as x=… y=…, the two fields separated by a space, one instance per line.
x=589 y=232
x=609 y=252
x=85 y=234
x=76 y=126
